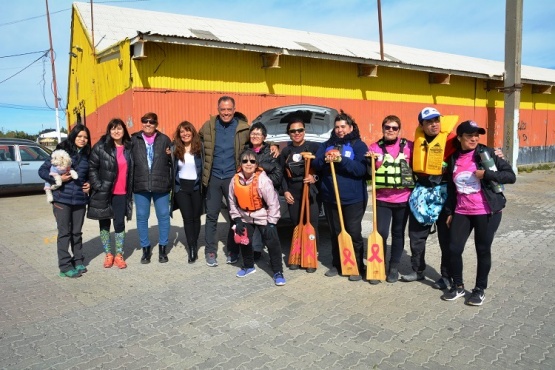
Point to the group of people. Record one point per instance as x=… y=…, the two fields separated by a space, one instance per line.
x=439 y=181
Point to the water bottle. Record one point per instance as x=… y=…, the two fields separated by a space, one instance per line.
x=488 y=163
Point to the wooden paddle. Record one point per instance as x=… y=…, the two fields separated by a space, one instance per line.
x=309 y=258
x=297 y=239
x=346 y=251
x=375 y=267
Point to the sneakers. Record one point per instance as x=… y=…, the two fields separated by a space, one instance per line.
x=355 y=278
x=413 y=276
x=108 y=260
x=211 y=260
x=454 y=293
x=279 y=279
x=310 y=270
x=476 y=297
x=442 y=283
x=70 y=274
x=245 y=271
x=374 y=282
x=332 y=272
x=294 y=267
x=231 y=259
x=81 y=268
x=119 y=262
x=393 y=275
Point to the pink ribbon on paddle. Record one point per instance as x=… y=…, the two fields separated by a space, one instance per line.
x=347 y=257
x=296 y=248
x=309 y=252
x=375 y=256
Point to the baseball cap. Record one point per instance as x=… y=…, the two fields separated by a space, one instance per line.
x=469 y=127
x=428 y=113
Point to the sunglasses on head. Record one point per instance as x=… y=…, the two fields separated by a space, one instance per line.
x=252 y=161
x=148 y=120
x=394 y=128
x=296 y=130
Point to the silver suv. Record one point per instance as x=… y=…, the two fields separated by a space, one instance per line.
x=20 y=160
x=319 y=123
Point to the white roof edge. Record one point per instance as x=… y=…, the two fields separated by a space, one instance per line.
x=113 y=25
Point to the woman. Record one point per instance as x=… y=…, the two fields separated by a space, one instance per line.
x=293 y=165
x=187 y=191
x=110 y=166
x=254 y=205
x=474 y=203
x=347 y=151
x=152 y=181
x=70 y=201
x=393 y=187
x=270 y=165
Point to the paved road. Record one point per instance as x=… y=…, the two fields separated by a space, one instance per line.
x=179 y=316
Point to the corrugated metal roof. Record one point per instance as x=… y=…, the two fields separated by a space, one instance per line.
x=114 y=24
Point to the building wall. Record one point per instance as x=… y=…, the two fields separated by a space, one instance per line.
x=181 y=82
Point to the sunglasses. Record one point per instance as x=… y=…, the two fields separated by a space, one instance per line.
x=145 y=121
x=252 y=161
x=394 y=128
x=296 y=131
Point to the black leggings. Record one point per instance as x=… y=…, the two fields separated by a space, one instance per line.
x=484 y=227
x=189 y=202
x=119 y=207
x=397 y=216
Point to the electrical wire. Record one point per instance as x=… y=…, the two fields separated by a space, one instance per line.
x=24 y=68
x=18 y=55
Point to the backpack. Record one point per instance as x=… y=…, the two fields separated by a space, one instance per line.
x=426 y=203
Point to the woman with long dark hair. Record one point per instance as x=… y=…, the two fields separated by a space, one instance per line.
x=70 y=201
x=187 y=152
x=110 y=175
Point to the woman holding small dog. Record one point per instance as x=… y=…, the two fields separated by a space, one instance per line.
x=110 y=166
x=70 y=201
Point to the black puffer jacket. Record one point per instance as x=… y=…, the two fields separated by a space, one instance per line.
x=103 y=172
x=269 y=164
x=503 y=175
x=159 y=179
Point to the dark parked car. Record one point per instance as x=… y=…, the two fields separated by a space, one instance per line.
x=20 y=160
x=319 y=123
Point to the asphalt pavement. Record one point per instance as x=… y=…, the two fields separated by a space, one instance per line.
x=190 y=316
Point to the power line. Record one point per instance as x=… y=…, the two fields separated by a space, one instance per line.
x=18 y=55
x=33 y=62
x=23 y=107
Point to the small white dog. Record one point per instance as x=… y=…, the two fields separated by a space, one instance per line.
x=61 y=164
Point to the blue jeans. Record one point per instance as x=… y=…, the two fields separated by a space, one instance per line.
x=162 y=209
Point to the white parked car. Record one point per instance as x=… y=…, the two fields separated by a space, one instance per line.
x=319 y=123
x=20 y=160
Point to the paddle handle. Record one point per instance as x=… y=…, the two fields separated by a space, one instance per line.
x=337 y=198
x=374 y=215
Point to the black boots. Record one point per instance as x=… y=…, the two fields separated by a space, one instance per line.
x=192 y=253
x=163 y=257
x=146 y=255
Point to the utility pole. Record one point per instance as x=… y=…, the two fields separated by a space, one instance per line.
x=54 y=85
x=512 y=85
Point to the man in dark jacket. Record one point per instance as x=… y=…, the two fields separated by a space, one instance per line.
x=224 y=137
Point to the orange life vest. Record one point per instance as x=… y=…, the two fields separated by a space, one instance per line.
x=247 y=195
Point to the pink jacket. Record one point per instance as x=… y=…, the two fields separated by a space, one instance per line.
x=263 y=216
x=392 y=195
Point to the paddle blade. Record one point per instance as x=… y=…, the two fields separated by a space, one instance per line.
x=375 y=267
x=295 y=252
x=347 y=254
x=309 y=257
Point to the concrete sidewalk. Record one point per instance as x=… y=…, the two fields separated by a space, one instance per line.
x=179 y=315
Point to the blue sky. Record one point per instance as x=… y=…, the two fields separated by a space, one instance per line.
x=466 y=27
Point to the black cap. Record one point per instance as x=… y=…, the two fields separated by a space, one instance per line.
x=469 y=127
